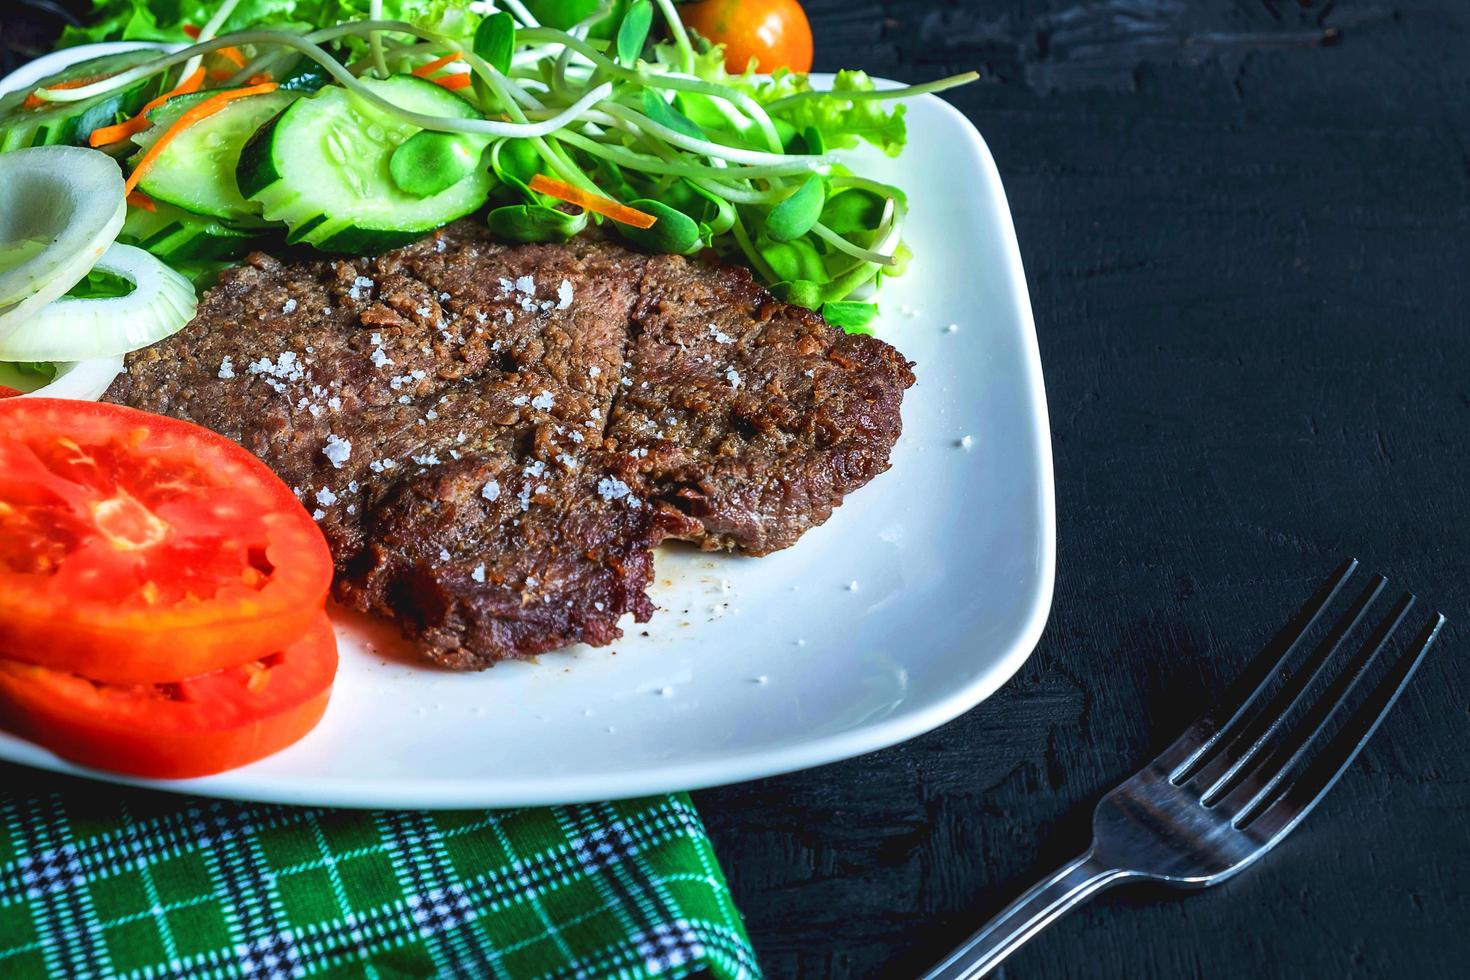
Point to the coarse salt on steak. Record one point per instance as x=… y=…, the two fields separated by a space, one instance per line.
x=494 y=438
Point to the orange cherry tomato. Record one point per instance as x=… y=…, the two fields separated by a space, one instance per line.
x=178 y=730
x=772 y=33
x=136 y=548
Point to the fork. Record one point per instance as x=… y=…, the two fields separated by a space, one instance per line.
x=1236 y=782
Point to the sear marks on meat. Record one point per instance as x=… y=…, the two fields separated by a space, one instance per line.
x=493 y=439
x=526 y=574
x=752 y=416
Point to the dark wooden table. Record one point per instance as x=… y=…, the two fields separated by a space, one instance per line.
x=1245 y=228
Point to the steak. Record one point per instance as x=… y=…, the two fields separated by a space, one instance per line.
x=493 y=438
x=750 y=415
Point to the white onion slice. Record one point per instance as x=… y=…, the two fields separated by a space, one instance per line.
x=60 y=209
x=161 y=302
x=82 y=380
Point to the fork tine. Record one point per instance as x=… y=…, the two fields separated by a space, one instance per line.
x=1307 y=790
x=1239 y=750
x=1263 y=778
x=1185 y=753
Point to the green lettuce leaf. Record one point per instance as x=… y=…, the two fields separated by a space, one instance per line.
x=709 y=65
x=841 y=122
x=164 y=20
x=45 y=369
x=100 y=285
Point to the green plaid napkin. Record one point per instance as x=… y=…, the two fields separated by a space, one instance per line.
x=110 y=883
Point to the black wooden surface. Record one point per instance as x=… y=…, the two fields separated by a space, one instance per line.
x=1245 y=230
x=1244 y=224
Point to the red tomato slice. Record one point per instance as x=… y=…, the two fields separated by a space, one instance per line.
x=8 y=392
x=176 y=730
x=136 y=548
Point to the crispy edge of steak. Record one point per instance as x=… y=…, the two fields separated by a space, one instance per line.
x=754 y=417
x=569 y=571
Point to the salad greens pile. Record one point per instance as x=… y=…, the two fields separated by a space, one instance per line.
x=164 y=20
x=609 y=101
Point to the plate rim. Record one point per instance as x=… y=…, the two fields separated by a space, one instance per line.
x=708 y=771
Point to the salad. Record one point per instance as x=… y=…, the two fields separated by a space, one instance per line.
x=161 y=590
x=356 y=126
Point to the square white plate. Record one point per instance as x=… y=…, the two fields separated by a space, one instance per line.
x=925 y=591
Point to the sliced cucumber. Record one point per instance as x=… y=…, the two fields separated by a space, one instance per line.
x=322 y=168
x=70 y=123
x=196 y=171
x=174 y=235
x=306 y=76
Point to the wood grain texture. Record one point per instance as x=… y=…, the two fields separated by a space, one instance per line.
x=1244 y=230
x=1244 y=226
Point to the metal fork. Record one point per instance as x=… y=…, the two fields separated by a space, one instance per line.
x=1235 y=783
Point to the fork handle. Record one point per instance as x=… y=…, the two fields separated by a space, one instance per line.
x=1041 y=905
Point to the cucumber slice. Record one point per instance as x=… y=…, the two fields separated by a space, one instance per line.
x=196 y=170
x=174 y=235
x=70 y=123
x=307 y=76
x=322 y=167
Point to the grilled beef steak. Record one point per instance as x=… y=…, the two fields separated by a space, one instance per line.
x=494 y=438
x=748 y=414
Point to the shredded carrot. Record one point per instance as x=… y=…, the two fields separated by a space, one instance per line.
x=111 y=134
x=193 y=83
x=264 y=76
x=201 y=111
x=34 y=101
x=595 y=203
x=425 y=70
x=140 y=200
x=232 y=54
x=454 y=82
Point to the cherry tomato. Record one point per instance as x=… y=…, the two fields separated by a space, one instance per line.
x=773 y=33
x=136 y=548
x=178 y=730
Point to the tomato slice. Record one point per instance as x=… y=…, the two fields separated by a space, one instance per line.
x=136 y=548
x=8 y=392
x=177 y=730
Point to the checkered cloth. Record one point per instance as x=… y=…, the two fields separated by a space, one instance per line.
x=107 y=883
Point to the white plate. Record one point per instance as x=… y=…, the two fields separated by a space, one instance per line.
x=951 y=553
